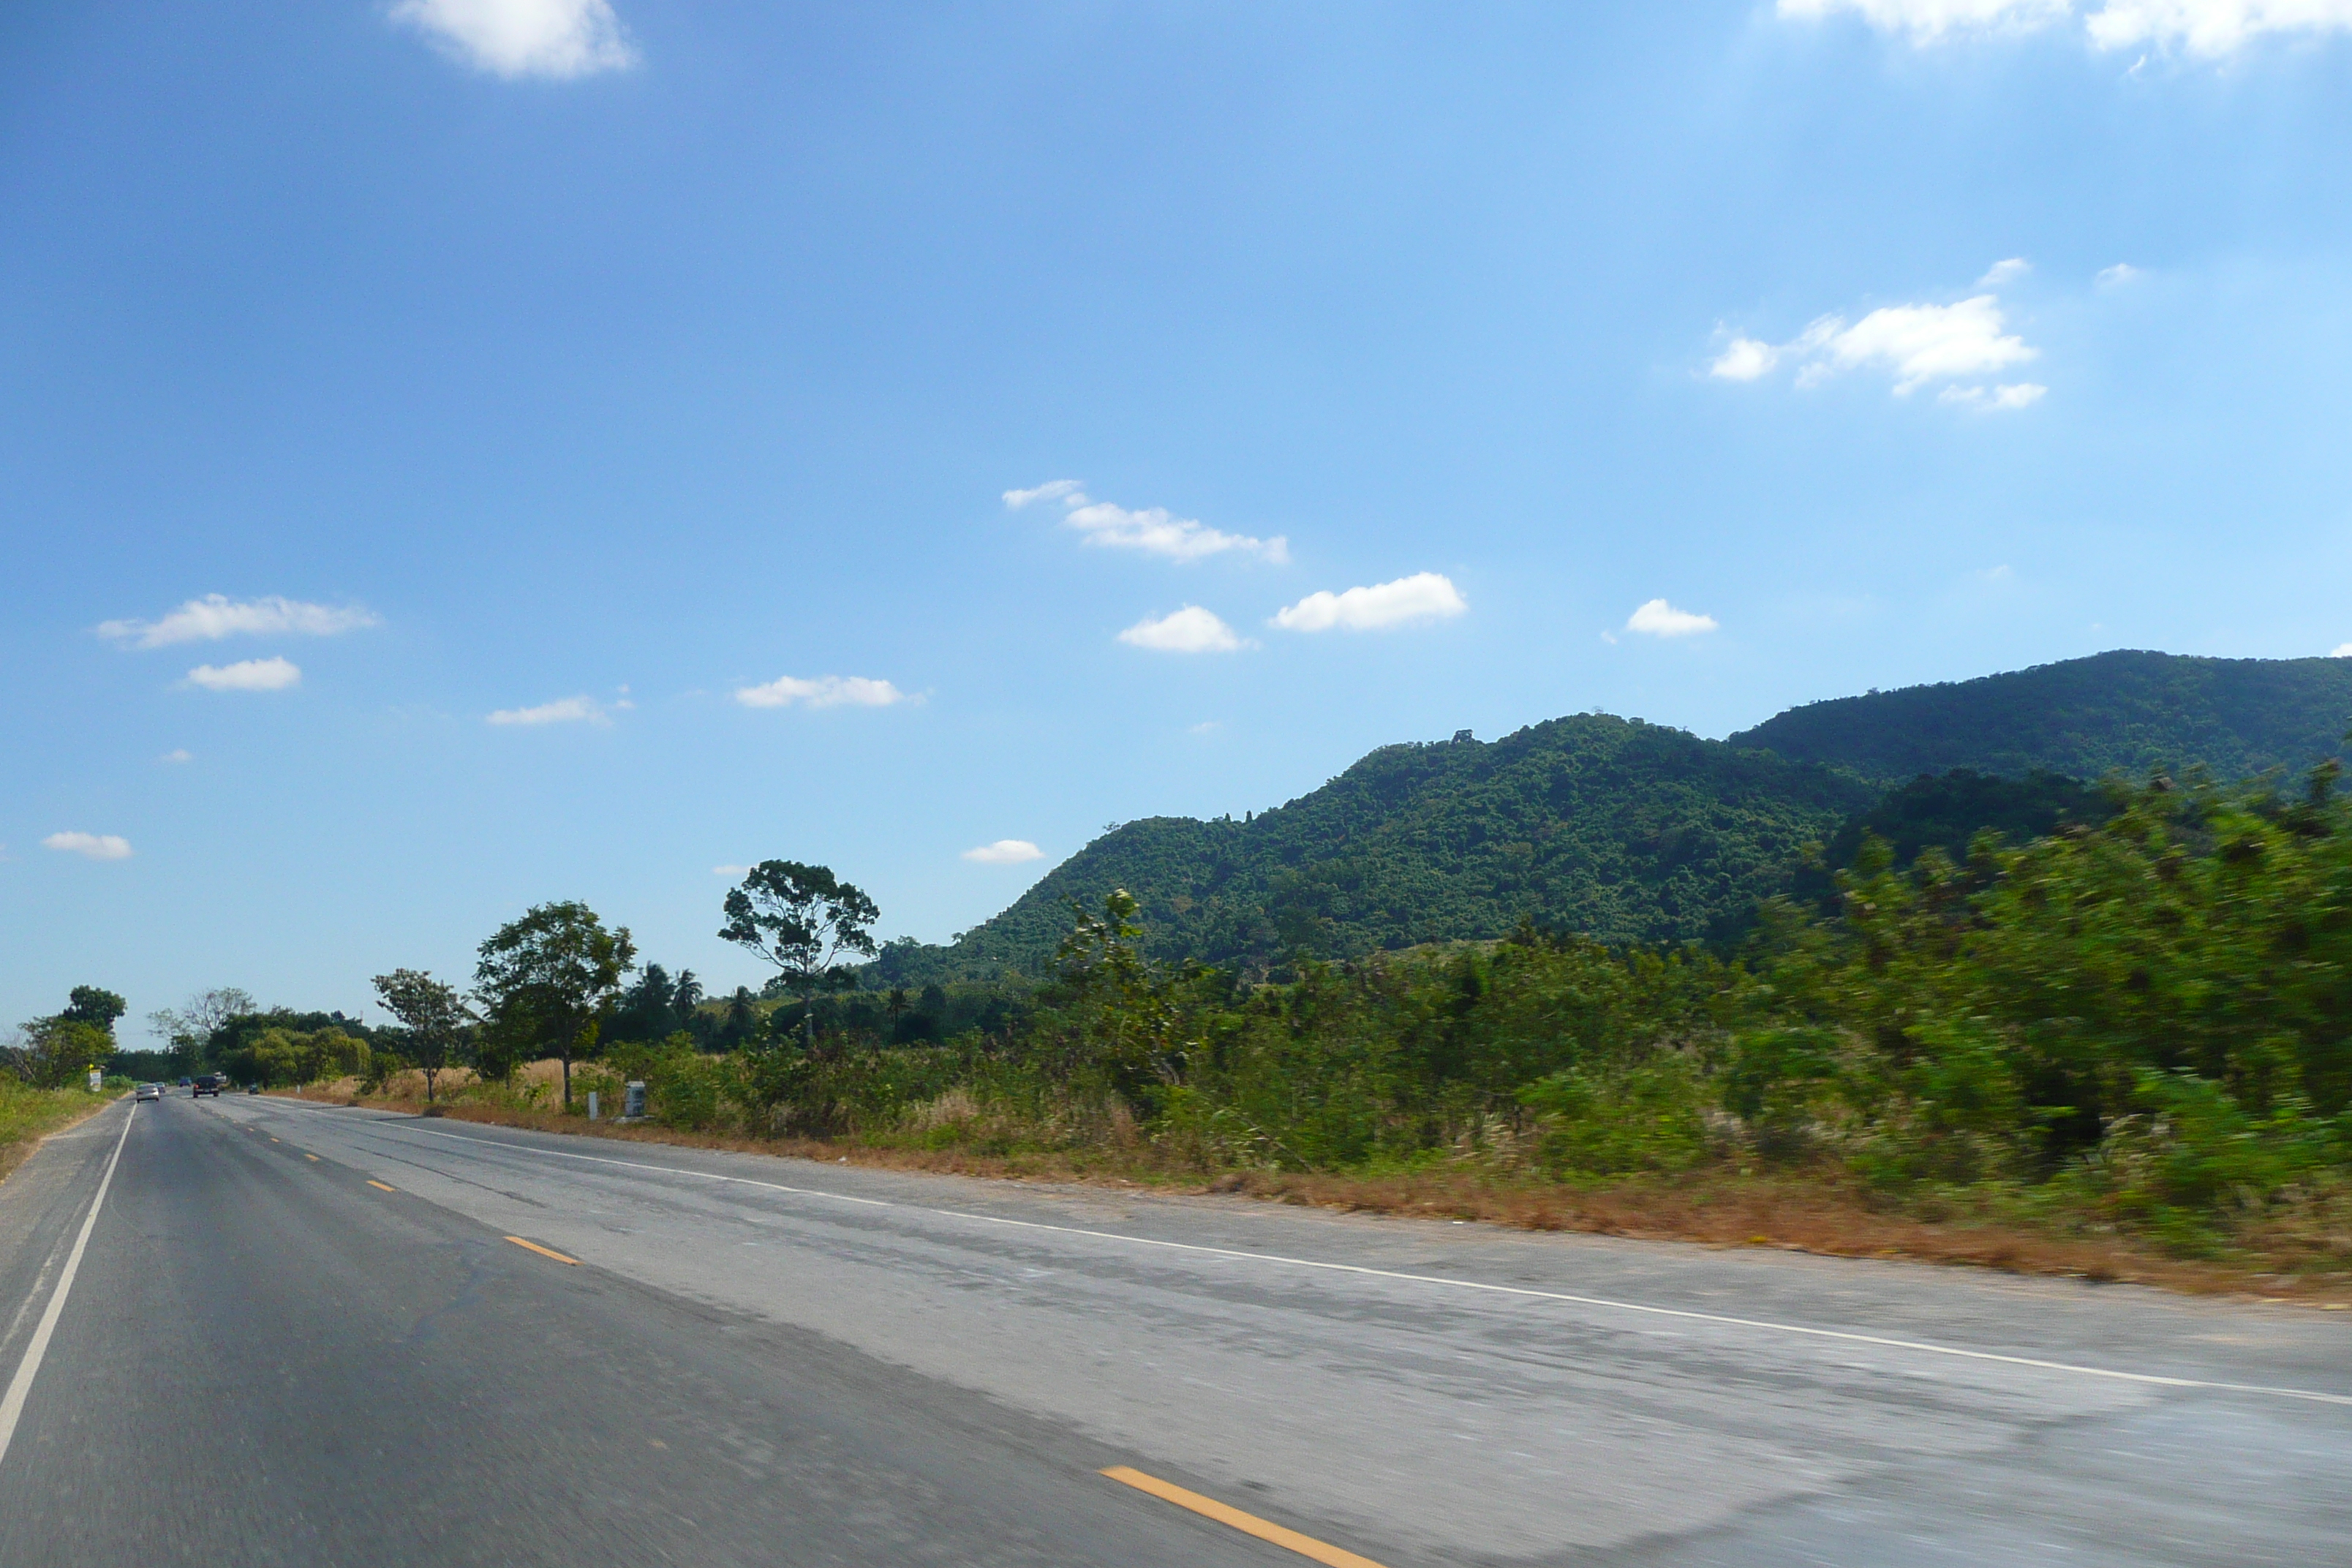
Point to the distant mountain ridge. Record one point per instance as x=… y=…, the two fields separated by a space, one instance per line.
x=1627 y=831
x=2128 y=710
x=1635 y=832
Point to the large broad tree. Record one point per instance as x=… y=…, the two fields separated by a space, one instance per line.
x=436 y=1016
x=55 y=1051
x=94 y=1005
x=559 y=965
x=189 y=1030
x=802 y=919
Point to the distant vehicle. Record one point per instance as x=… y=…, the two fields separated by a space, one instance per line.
x=253 y=1088
x=149 y=1092
x=208 y=1084
x=188 y=1083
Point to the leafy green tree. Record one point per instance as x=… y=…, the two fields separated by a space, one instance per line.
x=95 y=1007
x=277 y=1055
x=190 y=1030
x=511 y=1032
x=437 y=1018
x=802 y=919
x=561 y=967
x=56 y=1051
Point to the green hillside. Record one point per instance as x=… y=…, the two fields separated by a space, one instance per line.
x=2085 y=717
x=1625 y=830
x=1632 y=832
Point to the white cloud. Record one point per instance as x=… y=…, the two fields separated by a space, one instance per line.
x=1931 y=21
x=96 y=846
x=1004 y=852
x=2115 y=276
x=2210 y=28
x=563 y=710
x=2342 y=650
x=1189 y=630
x=181 y=755
x=524 y=37
x=1052 y=490
x=1205 y=727
x=1659 y=619
x=2001 y=272
x=1744 y=360
x=730 y=870
x=824 y=691
x=1154 y=531
x=1424 y=596
x=1915 y=343
x=2019 y=395
x=247 y=674
x=1927 y=342
x=215 y=616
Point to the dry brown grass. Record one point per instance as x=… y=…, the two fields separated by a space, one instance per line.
x=1816 y=1213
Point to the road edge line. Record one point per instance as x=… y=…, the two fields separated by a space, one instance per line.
x=12 y=1403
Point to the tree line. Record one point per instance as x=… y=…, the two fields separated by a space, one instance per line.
x=2141 y=1021
x=554 y=983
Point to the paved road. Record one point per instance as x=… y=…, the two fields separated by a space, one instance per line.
x=300 y=1335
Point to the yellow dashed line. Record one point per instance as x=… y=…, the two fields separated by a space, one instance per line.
x=543 y=1251
x=379 y=1185
x=1247 y=1524
x=309 y=1156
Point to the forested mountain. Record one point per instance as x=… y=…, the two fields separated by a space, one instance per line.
x=1625 y=830
x=2126 y=710
x=1946 y=812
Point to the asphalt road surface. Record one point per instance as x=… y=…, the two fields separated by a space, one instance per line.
x=299 y=1334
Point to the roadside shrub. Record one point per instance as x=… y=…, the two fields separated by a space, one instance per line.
x=1616 y=1120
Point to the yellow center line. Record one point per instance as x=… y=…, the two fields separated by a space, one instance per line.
x=543 y=1251
x=379 y=1185
x=1247 y=1524
x=309 y=1156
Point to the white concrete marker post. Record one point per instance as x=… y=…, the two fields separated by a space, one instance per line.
x=592 y=1105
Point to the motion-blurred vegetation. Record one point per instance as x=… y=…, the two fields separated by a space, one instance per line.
x=2138 y=1026
x=1594 y=952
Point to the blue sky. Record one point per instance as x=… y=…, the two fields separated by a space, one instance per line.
x=460 y=452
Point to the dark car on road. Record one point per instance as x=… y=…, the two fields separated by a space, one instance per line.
x=208 y=1084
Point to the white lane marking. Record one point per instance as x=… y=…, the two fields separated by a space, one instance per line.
x=12 y=1404
x=1844 y=1336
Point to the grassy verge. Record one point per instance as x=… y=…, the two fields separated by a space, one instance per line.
x=29 y=1115
x=1823 y=1212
